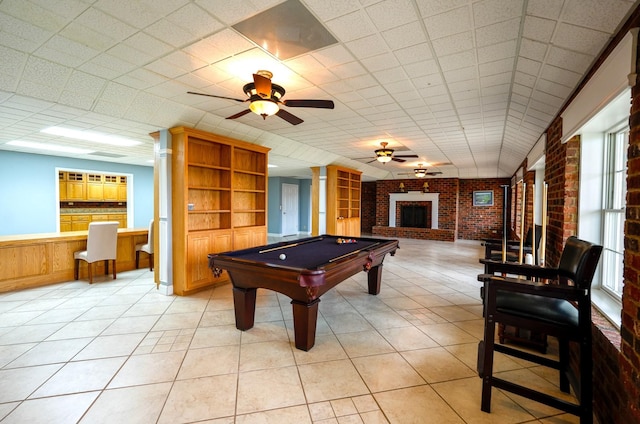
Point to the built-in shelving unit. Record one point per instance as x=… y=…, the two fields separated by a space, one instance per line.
x=219 y=189
x=343 y=201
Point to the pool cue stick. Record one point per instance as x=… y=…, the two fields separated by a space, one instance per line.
x=290 y=245
x=505 y=198
x=533 y=224
x=523 y=209
x=543 y=241
x=353 y=253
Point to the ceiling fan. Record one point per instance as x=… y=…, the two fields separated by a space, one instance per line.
x=385 y=155
x=265 y=99
x=421 y=172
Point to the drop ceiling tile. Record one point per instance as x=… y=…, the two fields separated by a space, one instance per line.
x=497 y=33
x=414 y=54
x=538 y=29
x=551 y=87
x=330 y=9
x=143 y=42
x=351 y=26
x=533 y=50
x=366 y=47
x=458 y=60
x=105 y=24
x=423 y=68
x=348 y=70
x=404 y=36
x=194 y=20
x=522 y=90
x=566 y=59
x=390 y=75
x=497 y=67
x=528 y=66
x=435 y=7
x=544 y=8
x=76 y=99
x=139 y=14
x=546 y=100
x=466 y=85
x=107 y=66
x=448 y=23
x=498 y=51
x=391 y=13
x=584 y=40
x=496 y=79
x=21 y=35
x=487 y=12
x=333 y=55
x=463 y=74
x=129 y=54
x=171 y=34
x=118 y=94
x=595 y=14
x=453 y=43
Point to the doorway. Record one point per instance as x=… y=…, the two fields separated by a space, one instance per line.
x=289 y=209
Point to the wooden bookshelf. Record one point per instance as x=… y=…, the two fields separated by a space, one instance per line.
x=219 y=189
x=343 y=201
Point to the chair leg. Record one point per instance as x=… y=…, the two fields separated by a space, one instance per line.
x=106 y=267
x=150 y=262
x=586 y=380
x=487 y=362
x=76 y=267
x=90 y=267
x=137 y=259
x=563 y=354
x=114 y=269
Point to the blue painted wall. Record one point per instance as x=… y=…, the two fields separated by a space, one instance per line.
x=28 y=190
x=274 y=218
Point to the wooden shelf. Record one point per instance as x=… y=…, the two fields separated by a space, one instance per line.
x=343 y=201
x=219 y=188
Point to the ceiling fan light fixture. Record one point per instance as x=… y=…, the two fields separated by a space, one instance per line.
x=384 y=155
x=264 y=107
x=420 y=173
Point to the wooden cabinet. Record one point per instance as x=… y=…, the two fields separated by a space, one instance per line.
x=73 y=186
x=92 y=187
x=218 y=195
x=343 y=201
x=80 y=222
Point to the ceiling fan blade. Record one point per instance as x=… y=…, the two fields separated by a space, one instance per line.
x=239 y=114
x=372 y=160
x=321 y=104
x=217 y=97
x=397 y=159
x=292 y=119
x=263 y=86
x=434 y=173
x=405 y=156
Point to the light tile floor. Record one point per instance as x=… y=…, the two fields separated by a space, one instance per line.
x=120 y=352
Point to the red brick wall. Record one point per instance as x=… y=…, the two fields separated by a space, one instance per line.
x=628 y=377
x=561 y=175
x=481 y=222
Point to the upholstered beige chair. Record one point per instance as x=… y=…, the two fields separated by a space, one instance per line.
x=102 y=245
x=147 y=248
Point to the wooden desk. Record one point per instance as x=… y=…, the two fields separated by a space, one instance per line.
x=33 y=260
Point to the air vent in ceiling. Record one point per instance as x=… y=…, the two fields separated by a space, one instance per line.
x=107 y=155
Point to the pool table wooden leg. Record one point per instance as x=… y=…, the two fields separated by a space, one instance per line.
x=305 y=316
x=374 y=278
x=244 y=302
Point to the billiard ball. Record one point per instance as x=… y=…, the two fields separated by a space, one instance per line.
x=282 y=256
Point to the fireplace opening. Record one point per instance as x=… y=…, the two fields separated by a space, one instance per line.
x=413 y=216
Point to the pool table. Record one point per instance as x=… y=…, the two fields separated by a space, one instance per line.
x=303 y=270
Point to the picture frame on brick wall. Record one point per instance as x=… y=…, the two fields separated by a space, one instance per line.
x=483 y=198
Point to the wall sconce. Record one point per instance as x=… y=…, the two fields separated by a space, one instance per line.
x=425 y=187
x=401 y=187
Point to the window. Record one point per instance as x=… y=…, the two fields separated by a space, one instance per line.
x=613 y=212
